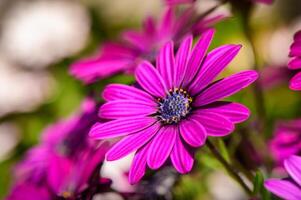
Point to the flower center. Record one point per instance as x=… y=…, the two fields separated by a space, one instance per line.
x=174 y=107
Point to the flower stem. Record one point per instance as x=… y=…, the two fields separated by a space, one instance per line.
x=228 y=167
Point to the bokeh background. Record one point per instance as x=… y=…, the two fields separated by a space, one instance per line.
x=39 y=39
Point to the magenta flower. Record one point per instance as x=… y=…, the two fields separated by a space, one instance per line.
x=136 y=46
x=295 y=63
x=264 y=1
x=26 y=191
x=176 y=2
x=175 y=107
x=286 y=141
x=66 y=158
x=289 y=189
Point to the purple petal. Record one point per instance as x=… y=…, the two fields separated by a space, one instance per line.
x=112 y=59
x=132 y=142
x=167 y=21
x=193 y=132
x=120 y=127
x=149 y=26
x=138 y=166
x=295 y=49
x=120 y=91
x=209 y=21
x=226 y=87
x=197 y=55
x=181 y=159
x=150 y=79
x=58 y=173
x=181 y=60
x=165 y=64
x=175 y=2
x=295 y=82
x=135 y=38
x=297 y=36
x=295 y=63
x=161 y=146
x=293 y=167
x=284 y=189
x=216 y=125
x=126 y=108
x=214 y=63
x=235 y=112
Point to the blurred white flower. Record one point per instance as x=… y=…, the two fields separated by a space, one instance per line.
x=9 y=138
x=279 y=43
x=38 y=33
x=116 y=171
x=223 y=187
x=107 y=196
x=20 y=90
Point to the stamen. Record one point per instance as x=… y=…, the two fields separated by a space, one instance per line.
x=174 y=107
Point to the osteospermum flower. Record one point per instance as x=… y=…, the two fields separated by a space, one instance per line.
x=66 y=159
x=286 y=141
x=175 y=107
x=290 y=188
x=295 y=63
x=124 y=57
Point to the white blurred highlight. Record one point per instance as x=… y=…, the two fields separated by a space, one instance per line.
x=39 y=33
x=20 y=90
x=222 y=187
x=116 y=171
x=9 y=138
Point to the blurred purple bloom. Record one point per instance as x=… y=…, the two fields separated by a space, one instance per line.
x=175 y=108
x=295 y=62
x=286 y=140
x=136 y=46
x=66 y=158
x=263 y=1
x=176 y=2
x=289 y=189
x=27 y=191
x=273 y=76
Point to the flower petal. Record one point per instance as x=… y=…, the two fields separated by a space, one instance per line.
x=120 y=127
x=214 y=63
x=125 y=108
x=181 y=60
x=132 y=142
x=226 y=87
x=295 y=82
x=181 y=159
x=284 y=189
x=295 y=63
x=165 y=64
x=150 y=79
x=161 y=146
x=216 y=125
x=235 y=112
x=193 y=132
x=293 y=167
x=120 y=91
x=137 y=39
x=197 y=55
x=295 y=49
x=138 y=166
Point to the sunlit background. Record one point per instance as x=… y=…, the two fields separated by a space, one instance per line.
x=40 y=38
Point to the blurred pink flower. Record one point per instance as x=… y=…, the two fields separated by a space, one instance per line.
x=66 y=158
x=295 y=63
x=290 y=188
x=286 y=140
x=27 y=191
x=136 y=46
